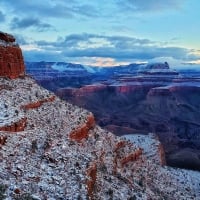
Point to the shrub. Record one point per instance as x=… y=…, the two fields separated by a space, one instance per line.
x=3 y=189
x=25 y=196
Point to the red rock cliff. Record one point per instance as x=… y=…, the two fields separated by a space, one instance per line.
x=11 y=59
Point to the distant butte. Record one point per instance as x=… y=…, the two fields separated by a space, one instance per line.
x=11 y=58
x=158 y=69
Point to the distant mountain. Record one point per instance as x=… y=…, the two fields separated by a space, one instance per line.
x=48 y=67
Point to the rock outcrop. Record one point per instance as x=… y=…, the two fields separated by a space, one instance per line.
x=7 y=37
x=164 y=65
x=12 y=119
x=11 y=58
x=15 y=127
x=37 y=104
x=131 y=157
x=92 y=177
x=158 y=69
x=82 y=132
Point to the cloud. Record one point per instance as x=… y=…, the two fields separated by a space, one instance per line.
x=143 y=53
x=22 y=40
x=120 y=48
x=106 y=62
x=86 y=10
x=151 y=5
x=195 y=62
x=2 y=17
x=17 y=23
x=86 y=41
x=52 y=9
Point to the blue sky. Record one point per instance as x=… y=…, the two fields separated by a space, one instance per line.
x=106 y=32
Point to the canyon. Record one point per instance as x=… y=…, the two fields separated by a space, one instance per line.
x=135 y=99
x=59 y=152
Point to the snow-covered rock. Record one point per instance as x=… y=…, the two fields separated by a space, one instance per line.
x=62 y=154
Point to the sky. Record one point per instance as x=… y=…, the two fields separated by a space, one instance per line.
x=105 y=32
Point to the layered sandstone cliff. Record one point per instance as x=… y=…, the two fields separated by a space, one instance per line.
x=11 y=58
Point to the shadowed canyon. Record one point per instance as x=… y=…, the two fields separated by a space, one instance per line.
x=134 y=99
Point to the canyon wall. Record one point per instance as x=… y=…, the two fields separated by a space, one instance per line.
x=11 y=58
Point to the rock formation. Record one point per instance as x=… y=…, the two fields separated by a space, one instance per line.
x=7 y=37
x=15 y=127
x=92 y=177
x=11 y=59
x=82 y=132
x=12 y=119
x=160 y=66
x=37 y=104
x=63 y=154
x=158 y=69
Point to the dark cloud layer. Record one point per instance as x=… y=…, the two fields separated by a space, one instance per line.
x=73 y=8
x=117 y=47
x=74 y=41
x=144 y=53
x=17 y=23
x=150 y=5
x=52 y=9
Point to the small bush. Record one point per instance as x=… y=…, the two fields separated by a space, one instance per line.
x=34 y=146
x=3 y=189
x=25 y=196
x=132 y=198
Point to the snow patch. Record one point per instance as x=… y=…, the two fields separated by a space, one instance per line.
x=65 y=67
x=89 y=69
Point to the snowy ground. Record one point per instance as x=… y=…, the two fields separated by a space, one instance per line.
x=44 y=163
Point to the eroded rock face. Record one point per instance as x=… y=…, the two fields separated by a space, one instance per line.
x=12 y=119
x=131 y=157
x=92 y=177
x=16 y=126
x=164 y=65
x=11 y=58
x=158 y=69
x=82 y=132
x=37 y=104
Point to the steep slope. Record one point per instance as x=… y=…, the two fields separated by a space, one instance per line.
x=61 y=153
x=58 y=152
